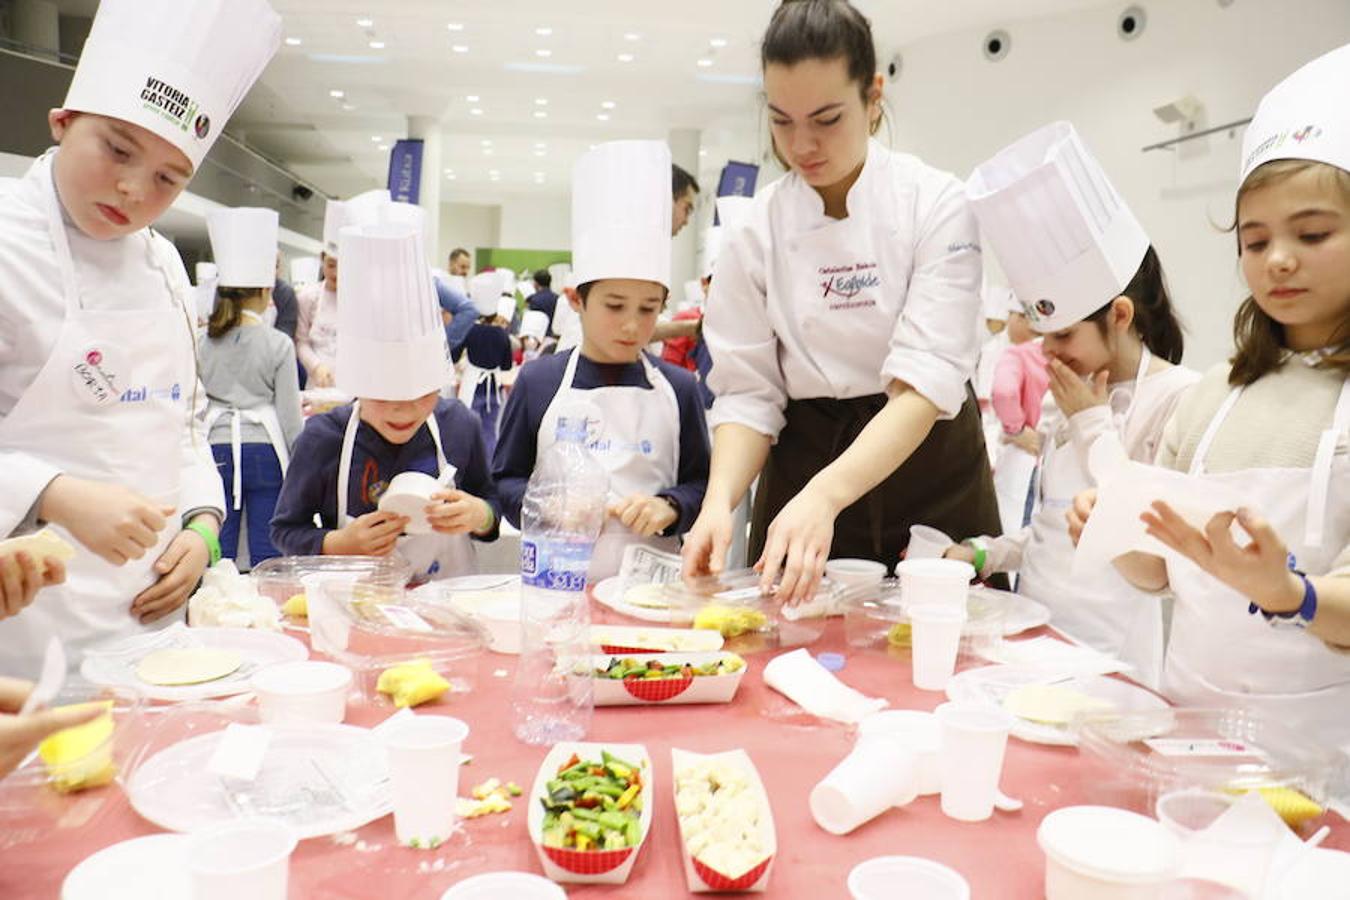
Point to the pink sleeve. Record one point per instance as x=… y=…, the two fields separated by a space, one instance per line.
x=1006 y=395
x=304 y=317
x=1036 y=375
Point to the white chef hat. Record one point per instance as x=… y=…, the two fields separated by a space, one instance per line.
x=204 y=292
x=1064 y=237
x=368 y=208
x=621 y=212
x=244 y=241
x=1306 y=116
x=534 y=324
x=485 y=289
x=732 y=212
x=178 y=68
x=306 y=270
x=332 y=226
x=205 y=271
x=506 y=281
x=390 y=341
x=506 y=308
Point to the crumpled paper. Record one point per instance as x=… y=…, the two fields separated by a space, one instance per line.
x=227 y=599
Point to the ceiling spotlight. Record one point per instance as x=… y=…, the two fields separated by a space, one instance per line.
x=543 y=53
x=348 y=107
x=293 y=42
x=541 y=101
x=603 y=117
x=472 y=98
x=377 y=45
x=364 y=23
x=376 y=138
x=632 y=36
x=625 y=57
x=455 y=26
x=607 y=104
x=717 y=42
x=540 y=114
x=384 y=147
x=460 y=48
x=337 y=95
x=544 y=31
x=486 y=142
x=475 y=111
x=704 y=63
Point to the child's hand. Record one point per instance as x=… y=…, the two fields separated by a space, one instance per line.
x=1079 y=513
x=112 y=521
x=21 y=577
x=1072 y=394
x=648 y=516
x=1028 y=439
x=373 y=534
x=321 y=377
x=178 y=568
x=455 y=512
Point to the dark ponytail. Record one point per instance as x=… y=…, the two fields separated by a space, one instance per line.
x=1155 y=321
x=229 y=309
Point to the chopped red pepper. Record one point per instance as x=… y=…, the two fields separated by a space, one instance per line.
x=572 y=761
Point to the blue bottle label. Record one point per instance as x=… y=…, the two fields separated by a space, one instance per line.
x=555 y=565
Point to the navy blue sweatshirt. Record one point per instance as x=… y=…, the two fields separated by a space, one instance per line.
x=311 y=480
x=538 y=383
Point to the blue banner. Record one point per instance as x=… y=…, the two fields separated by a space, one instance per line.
x=405 y=170
x=738 y=180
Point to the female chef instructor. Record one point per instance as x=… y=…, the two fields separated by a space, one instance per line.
x=99 y=396
x=843 y=326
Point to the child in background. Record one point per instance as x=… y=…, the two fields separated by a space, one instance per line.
x=487 y=353
x=1263 y=621
x=251 y=379
x=647 y=422
x=393 y=359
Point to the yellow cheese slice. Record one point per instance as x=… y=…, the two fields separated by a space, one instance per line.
x=1053 y=704
x=191 y=666
x=647 y=596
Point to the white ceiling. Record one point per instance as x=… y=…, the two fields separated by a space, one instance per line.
x=336 y=142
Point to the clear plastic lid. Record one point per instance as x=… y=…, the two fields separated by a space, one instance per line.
x=733 y=603
x=1140 y=756
x=876 y=614
x=282 y=577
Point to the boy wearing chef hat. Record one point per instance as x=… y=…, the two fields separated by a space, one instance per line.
x=99 y=320
x=249 y=372
x=391 y=356
x=646 y=419
x=486 y=352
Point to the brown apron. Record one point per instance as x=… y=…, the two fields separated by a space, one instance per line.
x=945 y=483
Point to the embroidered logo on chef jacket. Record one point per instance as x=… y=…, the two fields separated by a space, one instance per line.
x=95 y=376
x=606 y=445
x=173 y=392
x=841 y=285
x=174 y=105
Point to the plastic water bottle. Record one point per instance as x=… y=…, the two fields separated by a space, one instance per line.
x=562 y=514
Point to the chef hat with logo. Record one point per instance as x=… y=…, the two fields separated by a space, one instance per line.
x=178 y=68
x=485 y=289
x=534 y=324
x=244 y=242
x=1306 y=116
x=1063 y=236
x=391 y=343
x=621 y=212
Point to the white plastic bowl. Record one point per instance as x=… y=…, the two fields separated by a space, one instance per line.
x=1103 y=853
x=408 y=495
x=912 y=877
x=849 y=572
x=306 y=691
x=501 y=885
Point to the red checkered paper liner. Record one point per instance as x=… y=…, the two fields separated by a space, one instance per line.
x=617 y=650
x=588 y=862
x=719 y=882
x=655 y=690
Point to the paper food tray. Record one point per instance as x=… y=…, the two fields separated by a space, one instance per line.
x=702 y=878
x=588 y=866
x=646 y=692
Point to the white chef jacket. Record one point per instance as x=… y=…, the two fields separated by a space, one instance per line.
x=114 y=274
x=916 y=219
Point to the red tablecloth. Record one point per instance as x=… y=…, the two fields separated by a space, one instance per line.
x=791 y=749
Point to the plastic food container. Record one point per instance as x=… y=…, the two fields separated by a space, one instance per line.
x=492 y=601
x=906 y=876
x=748 y=619
x=875 y=616
x=1103 y=853
x=283 y=577
x=498 y=885
x=308 y=691
x=851 y=572
x=1131 y=760
x=369 y=628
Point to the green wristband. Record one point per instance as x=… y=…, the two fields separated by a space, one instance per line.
x=981 y=557
x=212 y=541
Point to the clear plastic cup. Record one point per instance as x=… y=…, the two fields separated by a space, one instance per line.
x=936 y=637
x=876 y=776
x=945 y=581
x=926 y=543
x=974 y=738
x=913 y=877
x=241 y=858
x=424 y=774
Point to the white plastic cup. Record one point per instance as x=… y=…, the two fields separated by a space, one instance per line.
x=876 y=776
x=926 y=542
x=240 y=858
x=974 y=737
x=303 y=691
x=424 y=776
x=945 y=581
x=499 y=885
x=935 y=638
x=921 y=734
x=852 y=572
x=888 y=877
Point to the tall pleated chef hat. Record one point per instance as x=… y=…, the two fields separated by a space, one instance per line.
x=363 y=209
x=1306 y=116
x=621 y=213
x=485 y=289
x=178 y=68
x=391 y=343
x=244 y=243
x=732 y=212
x=204 y=292
x=1066 y=240
x=534 y=324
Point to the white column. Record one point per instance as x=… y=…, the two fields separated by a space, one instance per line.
x=37 y=23
x=428 y=129
x=684 y=147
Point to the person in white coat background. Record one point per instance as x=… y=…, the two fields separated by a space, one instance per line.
x=1113 y=340
x=99 y=395
x=1263 y=621
x=844 y=328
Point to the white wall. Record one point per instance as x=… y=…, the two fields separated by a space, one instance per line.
x=536 y=222
x=467 y=225
x=955 y=109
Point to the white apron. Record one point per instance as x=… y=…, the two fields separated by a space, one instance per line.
x=110 y=404
x=430 y=555
x=266 y=416
x=1013 y=470
x=1221 y=655
x=637 y=441
x=1107 y=613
